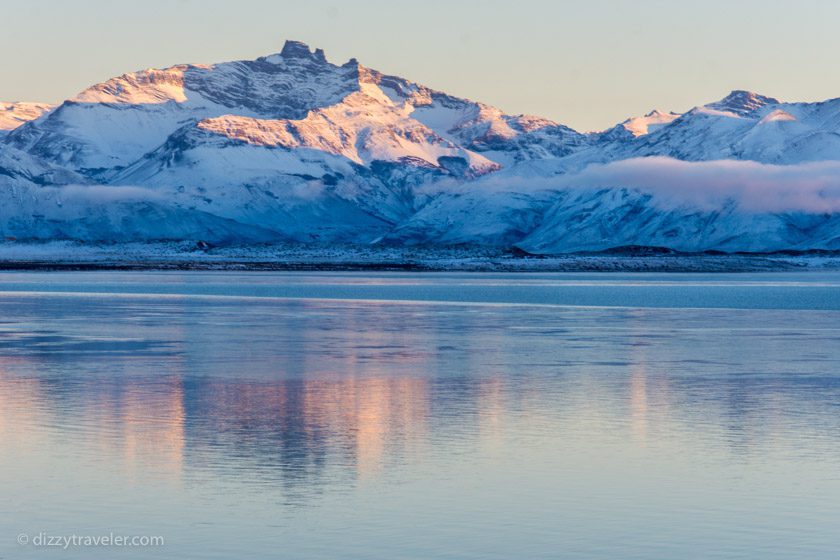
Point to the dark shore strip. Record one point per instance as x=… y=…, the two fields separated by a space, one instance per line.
x=200 y=256
x=570 y=264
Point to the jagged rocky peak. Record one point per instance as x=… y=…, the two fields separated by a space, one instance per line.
x=298 y=50
x=742 y=102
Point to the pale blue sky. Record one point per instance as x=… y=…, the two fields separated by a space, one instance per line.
x=585 y=63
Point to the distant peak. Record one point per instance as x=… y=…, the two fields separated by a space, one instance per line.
x=657 y=113
x=743 y=102
x=298 y=49
x=639 y=126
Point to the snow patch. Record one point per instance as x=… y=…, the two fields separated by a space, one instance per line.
x=777 y=115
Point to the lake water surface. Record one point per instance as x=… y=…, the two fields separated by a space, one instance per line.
x=420 y=416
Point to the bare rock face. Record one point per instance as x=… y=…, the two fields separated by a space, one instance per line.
x=743 y=102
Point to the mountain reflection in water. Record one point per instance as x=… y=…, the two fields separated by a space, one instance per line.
x=637 y=417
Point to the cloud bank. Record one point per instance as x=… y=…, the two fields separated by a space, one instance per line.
x=100 y=194
x=756 y=187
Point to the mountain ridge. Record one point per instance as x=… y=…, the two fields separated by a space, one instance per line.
x=290 y=147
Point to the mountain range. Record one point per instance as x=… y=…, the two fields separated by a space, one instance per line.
x=293 y=148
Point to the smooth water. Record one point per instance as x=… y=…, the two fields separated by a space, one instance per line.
x=421 y=416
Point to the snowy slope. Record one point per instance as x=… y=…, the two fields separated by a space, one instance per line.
x=606 y=219
x=41 y=202
x=475 y=217
x=639 y=126
x=18 y=167
x=91 y=214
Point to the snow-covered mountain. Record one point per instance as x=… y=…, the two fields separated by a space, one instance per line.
x=291 y=147
x=14 y=114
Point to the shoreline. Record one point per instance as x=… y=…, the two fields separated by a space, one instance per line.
x=189 y=256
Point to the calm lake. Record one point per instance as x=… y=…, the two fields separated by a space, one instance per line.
x=420 y=416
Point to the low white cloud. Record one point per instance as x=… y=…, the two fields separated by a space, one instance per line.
x=756 y=187
x=99 y=194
